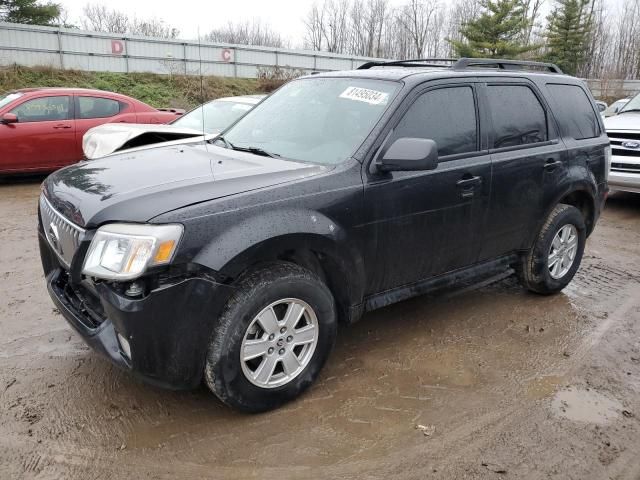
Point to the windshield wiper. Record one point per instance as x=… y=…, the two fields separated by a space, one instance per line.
x=255 y=151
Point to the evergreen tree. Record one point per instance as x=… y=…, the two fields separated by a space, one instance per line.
x=568 y=34
x=29 y=11
x=496 y=33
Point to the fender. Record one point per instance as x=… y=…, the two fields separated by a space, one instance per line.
x=577 y=179
x=266 y=235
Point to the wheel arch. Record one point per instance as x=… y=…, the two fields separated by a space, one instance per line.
x=308 y=239
x=580 y=195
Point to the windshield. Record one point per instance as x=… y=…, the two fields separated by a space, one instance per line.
x=633 y=104
x=625 y=105
x=7 y=99
x=217 y=115
x=317 y=120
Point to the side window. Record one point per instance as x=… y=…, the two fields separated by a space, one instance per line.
x=44 y=109
x=574 y=111
x=518 y=117
x=447 y=116
x=97 y=107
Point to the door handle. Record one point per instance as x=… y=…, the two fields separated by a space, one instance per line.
x=551 y=164
x=62 y=126
x=467 y=184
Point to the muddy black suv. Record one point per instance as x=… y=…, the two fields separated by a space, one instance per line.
x=232 y=261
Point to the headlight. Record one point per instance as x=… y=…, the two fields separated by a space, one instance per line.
x=124 y=251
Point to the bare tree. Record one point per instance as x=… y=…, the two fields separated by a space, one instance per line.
x=422 y=23
x=99 y=18
x=314 y=23
x=252 y=32
x=626 y=47
x=102 y=19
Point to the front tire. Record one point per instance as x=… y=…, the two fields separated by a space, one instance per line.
x=556 y=255
x=272 y=338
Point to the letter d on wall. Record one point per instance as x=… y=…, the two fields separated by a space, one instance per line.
x=117 y=47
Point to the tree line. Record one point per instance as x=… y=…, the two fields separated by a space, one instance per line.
x=584 y=37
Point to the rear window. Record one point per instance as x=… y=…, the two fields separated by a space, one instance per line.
x=574 y=111
x=517 y=115
x=97 y=107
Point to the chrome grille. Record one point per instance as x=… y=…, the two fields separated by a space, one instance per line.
x=63 y=236
x=626 y=151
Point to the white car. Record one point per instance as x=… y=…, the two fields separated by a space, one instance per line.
x=203 y=122
x=615 y=107
x=624 y=133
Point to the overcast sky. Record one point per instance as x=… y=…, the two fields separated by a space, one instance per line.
x=284 y=16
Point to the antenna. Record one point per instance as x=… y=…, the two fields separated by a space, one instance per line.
x=204 y=133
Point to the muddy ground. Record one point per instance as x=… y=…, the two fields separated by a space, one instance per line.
x=489 y=383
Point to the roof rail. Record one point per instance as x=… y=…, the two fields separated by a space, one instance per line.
x=505 y=64
x=463 y=63
x=415 y=62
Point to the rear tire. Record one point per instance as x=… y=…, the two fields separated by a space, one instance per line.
x=272 y=338
x=556 y=254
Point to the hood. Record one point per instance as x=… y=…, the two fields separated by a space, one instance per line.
x=112 y=137
x=139 y=186
x=624 y=121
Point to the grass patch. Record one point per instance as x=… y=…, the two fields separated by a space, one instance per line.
x=159 y=91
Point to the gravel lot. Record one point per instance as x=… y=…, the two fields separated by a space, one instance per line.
x=491 y=382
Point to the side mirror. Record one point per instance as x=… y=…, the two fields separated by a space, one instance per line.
x=410 y=154
x=9 y=118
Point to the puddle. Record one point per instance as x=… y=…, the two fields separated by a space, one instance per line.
x=586 y=406
x=544 y=386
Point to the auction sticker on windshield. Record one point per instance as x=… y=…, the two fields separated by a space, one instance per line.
x=365 y=95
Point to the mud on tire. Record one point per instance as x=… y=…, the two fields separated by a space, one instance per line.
x=225 y=374
x=533 y=271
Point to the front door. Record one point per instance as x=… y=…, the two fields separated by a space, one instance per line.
x=431 y=222
x=43 y=138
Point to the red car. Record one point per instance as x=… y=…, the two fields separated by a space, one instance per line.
x=41 y=129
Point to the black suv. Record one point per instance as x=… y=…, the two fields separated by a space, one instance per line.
x=232 y=261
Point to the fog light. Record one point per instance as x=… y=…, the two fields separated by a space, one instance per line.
x=124 y=346
x=135 y=290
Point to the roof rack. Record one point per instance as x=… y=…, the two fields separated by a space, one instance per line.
x=505 y=64
x=464 y=63
x=415 y=62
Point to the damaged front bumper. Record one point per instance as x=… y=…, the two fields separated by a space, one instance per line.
x=164 y=333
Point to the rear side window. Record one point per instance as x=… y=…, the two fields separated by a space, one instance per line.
x=574 y=111
x=97 y=107
x=445 y=115
x=518 y=117
x=44 y=109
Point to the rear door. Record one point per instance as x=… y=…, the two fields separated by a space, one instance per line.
x=524 y=148
x=430 y=222
x=44 y=136
x=92 y=111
